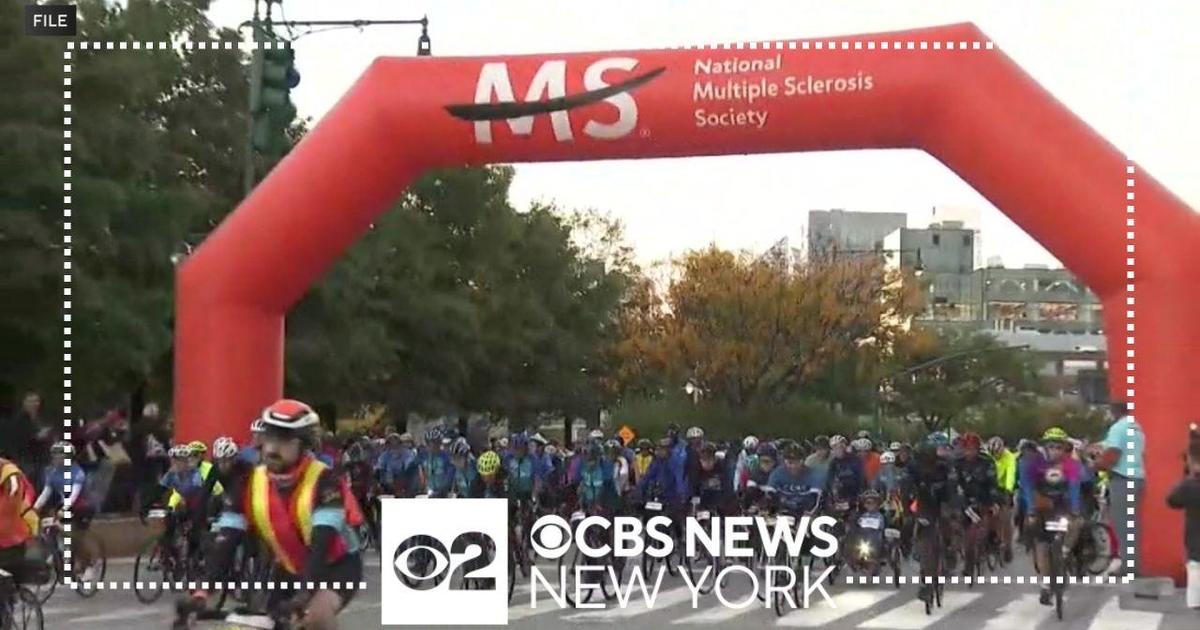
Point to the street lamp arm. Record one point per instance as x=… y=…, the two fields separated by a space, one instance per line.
x=938 y=360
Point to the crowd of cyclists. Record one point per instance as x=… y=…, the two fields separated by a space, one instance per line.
x=310 y=505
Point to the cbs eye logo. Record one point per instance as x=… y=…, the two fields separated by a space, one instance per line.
x=551 y=536
x=422 y=563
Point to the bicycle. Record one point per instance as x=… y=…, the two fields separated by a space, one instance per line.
x=51 y=537
x=935 y=547
x=164 y=555
x=20 y=608
x=1057 y=528
x=703 y=560
x=673 y=560
x=975 y=545
x=569 y=562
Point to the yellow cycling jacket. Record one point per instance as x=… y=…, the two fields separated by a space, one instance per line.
x=1006 y=470
x=205 y=471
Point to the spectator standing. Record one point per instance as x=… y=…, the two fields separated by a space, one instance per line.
x=1186 y=496
x=27 y=438
x=1124 y=447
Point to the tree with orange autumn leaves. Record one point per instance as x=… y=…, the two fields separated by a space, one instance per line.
x=747 y=329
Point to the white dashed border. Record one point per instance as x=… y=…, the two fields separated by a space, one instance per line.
x=769 y=45
x=1130 y=550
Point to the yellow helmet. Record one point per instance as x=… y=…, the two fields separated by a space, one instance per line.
x=488 y=464
x=198 y=447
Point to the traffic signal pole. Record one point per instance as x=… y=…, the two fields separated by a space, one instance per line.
x=256 y=61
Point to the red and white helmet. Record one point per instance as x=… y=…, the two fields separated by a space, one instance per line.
x=289 y=415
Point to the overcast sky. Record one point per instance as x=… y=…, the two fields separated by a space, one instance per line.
x=1129 y=69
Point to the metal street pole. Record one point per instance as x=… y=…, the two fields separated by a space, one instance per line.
x=256 y=62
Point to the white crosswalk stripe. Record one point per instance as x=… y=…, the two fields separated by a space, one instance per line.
x=720 y=613
x=911 y=616
x=637 y=606
x=1113 y=617
x=1024 y=612
x=820 y=612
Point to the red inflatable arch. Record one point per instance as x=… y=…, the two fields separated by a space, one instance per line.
x=972 y=108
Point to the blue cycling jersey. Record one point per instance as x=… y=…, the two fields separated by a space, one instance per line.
x=595 y=483
x=56 y=479
x=521 y=473
x=796 y=492
x=439 y=472
x=182 y=482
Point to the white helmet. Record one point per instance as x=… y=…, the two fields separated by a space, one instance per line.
x=180 y=451
x=995 y=444
x=596 y=434
x=750 y=443
x=894 y=446
x=694 y=433
x=290 y=415
x=837 y=440
x=258 y=426
x=862 y=445
x=887 y=458
x=224 y=448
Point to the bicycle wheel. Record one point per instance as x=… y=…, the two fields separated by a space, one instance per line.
x=895 y=561
x=779 y=602
x=148 y=572
x=44 y=590
x=26 y=611
x=576 y=558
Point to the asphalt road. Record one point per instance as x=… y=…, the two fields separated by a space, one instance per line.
x=869 y=607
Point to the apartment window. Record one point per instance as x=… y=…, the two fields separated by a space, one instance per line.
x=966 y=240
x=937 y=239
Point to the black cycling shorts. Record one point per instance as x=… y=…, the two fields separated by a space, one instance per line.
x=347 y=572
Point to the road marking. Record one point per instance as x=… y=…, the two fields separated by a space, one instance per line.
x=820 y=612
x=1113 y=617
x=911 y=616
x=48 y=611
x=1024 y=612
x=721 y=613
x=120 y=615
x=637 y=606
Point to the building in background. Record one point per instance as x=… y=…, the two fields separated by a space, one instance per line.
x=1049 y=310
x=836 y=232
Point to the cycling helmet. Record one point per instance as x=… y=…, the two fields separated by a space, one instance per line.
x=863 y=434
x=644 y=444
x=672 y=430
x=595 y=434
x=257 y=426
x=995 y=444
x=971 y=440
x=62 y=447
x=1075 y=443
x=461 y=447
x=887 y=458
x=708 y=449
x=939 y=438
x=665 y=442
x=433 y=435
x=862 y=445
x=519 y=440
x=766 y=449
x=551 y=449
x=537 y=438
x=1026 y=444
x=750 y=443
x=1055 y=435
x=870 y=495
x=290 y=417
x=198 y=447
x=821 y=442
x=894 y=446
x=614 y=444
x=392 y=437
x=488 y=463
x=837 y=440
x=224 y=448
x=180 y=451
x=405 y=438
x=502 y=442
x=695 y=433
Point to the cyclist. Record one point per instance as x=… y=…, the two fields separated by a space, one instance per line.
x=1050 y=485
x=398 y=468
x=869 y=458
x=887 y=482
x=817 y=463
x=18 y=519
x=976 y=474
x=597 y=487
x=642 y=459
x=1006 y=480
x=765 y=457
x=795 y=491
x=695 y=438
x=186 y=501
x=933 y=484
x=521 y=468
x=846 y=479
x=746 y=462
x=436 y=465
x=1027 y=451
x=465 y=468
x=229 y=468
x=714 y=485
x=302 y=511
x=252 y=452
x=59 y=477
x=660 y=481
x=616 y=458
x=490 y=483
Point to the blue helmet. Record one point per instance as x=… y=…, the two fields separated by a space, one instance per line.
x=519 y=440
x=939 y=438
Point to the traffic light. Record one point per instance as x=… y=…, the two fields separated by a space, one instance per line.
x=272 y=108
